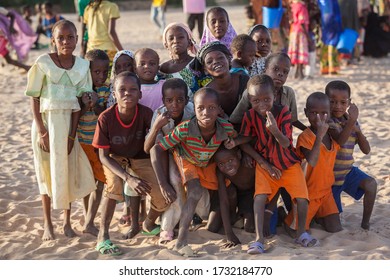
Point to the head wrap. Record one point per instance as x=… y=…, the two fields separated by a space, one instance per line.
x=198 y=62
x=193 y=48
x=258 y=27
x=117 y=55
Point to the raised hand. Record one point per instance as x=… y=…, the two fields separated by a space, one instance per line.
x=353 y=112
x=93 y=99
x=271 y=122
x=229 y=143
x=162 y=119
x=322 y=125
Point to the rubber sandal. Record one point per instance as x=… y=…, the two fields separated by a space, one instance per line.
x=155 y=231
x=107 y=248
x=256 y=248
x=306 y=240
x=165 y=237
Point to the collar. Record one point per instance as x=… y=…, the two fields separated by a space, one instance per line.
x=220 y=132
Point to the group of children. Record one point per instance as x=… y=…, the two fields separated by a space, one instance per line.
x=192 y=135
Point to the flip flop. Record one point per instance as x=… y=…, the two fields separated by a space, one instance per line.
x=155 y=231
x=256 y=248
x=107 y=248
x=165 y=237
x=306 y=240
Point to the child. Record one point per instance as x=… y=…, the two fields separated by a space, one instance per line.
x=27 y=13
x=175 y=110
x=262 y=37
x=319 y=149
x=120 y=136
x=278 y=164
x=178 y=40
x=54 y=83
x=346 y=131
x=93 y=103
x=243 y=49
x=195 y=142
x=21 y=39
x=310 y=69
x=157 y=9
x=49 y=19
x=230 y=166
x=100 y=18
x=123 y=61
x=277 y=66
x=299 y=37
x=218 y=28
x=146 y=67
x=194 y=9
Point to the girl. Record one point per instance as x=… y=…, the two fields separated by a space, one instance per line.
x=261 y=35
x=55 y=82
x=178 y=40
x=123 y=61
x=100 y=18
x=298 y=49
x=49 y=19
x=218 y=28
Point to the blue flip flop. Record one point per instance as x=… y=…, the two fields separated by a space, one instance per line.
x=256 y=248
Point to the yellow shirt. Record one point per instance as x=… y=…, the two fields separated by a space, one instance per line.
x=97 y=24
x=157 y=3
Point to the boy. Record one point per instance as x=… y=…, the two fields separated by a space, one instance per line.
x=93 y=104
x=319 y=149
x=346 y=131
x=120 y=136
x=243 y=49
x=195 y=142
x=147 y=64
x=175 y=110
x=278 y=164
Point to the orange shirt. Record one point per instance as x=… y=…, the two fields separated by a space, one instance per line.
x=319 y=179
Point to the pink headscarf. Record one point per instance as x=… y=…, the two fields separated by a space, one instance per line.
x=194 y=47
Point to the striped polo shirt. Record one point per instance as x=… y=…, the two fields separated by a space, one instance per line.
x=254 y=125
x=88 y=121
x=189 y=143
x=344 y=158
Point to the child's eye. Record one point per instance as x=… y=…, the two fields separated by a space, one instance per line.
x=266 y=100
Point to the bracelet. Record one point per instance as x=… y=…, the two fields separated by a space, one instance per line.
x=269 y=211
x=43 y=135
x=71 y=138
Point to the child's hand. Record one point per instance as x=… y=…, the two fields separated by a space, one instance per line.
x=272 y=170
x=271 y=122
x=248 y=161
x=322 y=125
x=44 y=142
x=229 y=143
x=94 y=97
x=232 y=241
x=86 y=98
x=162 y=119
x=140 y=186
x=353 y=112
x=70 y=145
x=169 y=193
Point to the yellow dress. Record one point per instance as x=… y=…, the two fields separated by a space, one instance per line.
x=64 y=178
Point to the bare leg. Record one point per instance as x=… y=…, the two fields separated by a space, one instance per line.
x=369 y=186
x=134 y=214
x=108 y=209
x=48 y=233
x=68 y=231
x=259 y=206
x=149 y=223
x=94 y=201
x=16 y=63
x=194 y=193
x=302 y=205
x=331 y=223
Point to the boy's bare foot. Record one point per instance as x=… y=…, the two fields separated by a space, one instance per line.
x=365 y=225
x=68 y=231
x=91 y=230
x=133 y=231
x=48 y=233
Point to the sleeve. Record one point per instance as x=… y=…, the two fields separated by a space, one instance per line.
x=242 y=106
x=293 y=105
x=246 y=126
x=284 y=123
x=101 y=139
x=305 y=142
x=173 y=138
x=152 y=122
x=35 y=78
x=114 y=12
x=85 y=84
x=85 y=16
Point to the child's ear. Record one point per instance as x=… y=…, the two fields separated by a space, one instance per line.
x=239 y=54
x=166 y=45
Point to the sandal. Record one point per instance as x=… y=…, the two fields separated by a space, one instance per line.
x=166 y=236
x=107 y=248
x=256 y=248
x=306 y=240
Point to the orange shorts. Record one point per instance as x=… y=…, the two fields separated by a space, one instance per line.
x=94 y=160
x=206 y=175
x=318 y=208
x=292 y=179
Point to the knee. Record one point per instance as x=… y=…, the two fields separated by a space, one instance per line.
x=370 y=186
x=194 y=191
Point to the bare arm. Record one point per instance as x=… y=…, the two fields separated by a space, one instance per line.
x=239 y=140
x=73 y=129
x=362 y=141
x=342 y=136
x=273 y=128
x=42 y=131
x=83 y=43
x=113 y=35
x=159 y=122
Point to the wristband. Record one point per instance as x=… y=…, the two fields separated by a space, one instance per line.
x=71 y=138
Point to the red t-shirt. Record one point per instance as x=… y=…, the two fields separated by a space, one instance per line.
x=123 y=140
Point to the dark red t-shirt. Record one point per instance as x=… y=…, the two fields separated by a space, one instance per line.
x=123 y=140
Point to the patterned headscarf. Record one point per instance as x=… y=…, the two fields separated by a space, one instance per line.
x=117 y=55
x=198 y=62
x=193 y=48
x=208 y=37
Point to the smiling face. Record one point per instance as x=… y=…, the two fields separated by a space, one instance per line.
x=99 y=71
x=65 y=39
x=207 y=109
x=263 y=42
x=278 y=70
x=261 y=98
x=216 y=63
x=147 y=65
x=228 y=161
x=177 y=41
x=175 y=100
x=127 y=92
x=339 y=102
x=218 y=23
x=124 y=63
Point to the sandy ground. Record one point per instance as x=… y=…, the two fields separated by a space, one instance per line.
x=21 y=222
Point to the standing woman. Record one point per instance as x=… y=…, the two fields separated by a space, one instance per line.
x=100 y=18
